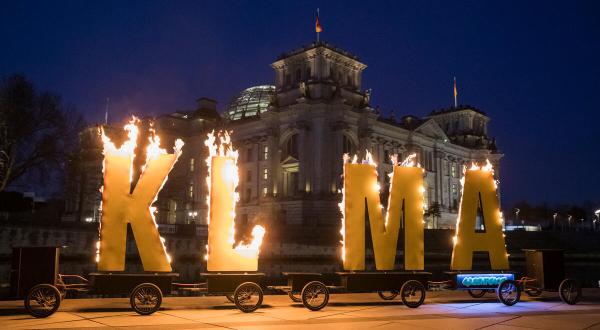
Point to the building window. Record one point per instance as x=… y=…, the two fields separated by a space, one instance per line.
x=265 y=173
x=349 y=81
x=288 y=79
x=291 y=147
x=265 y=191
x=307 y=77
x=347 y=147
x=453 y=170
x=331 y=73
x=172 y=214
x=248 y=195
x=454 y=190
x=191 y=191
x=191 y=164
x=265 y=152
x=386 y=156
x=249 y=154
x=249 y=176
x=298 y=75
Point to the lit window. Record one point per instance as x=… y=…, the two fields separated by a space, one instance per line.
x=454 y=190
x=265 y=174
x=191 y=164
x=453 y=170
x=265 y=191
x=347 y=147
x=265 y=152
x=191 y=191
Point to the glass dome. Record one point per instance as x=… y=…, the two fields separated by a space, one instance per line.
x=250 y=102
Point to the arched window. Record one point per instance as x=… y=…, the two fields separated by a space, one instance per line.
x=347 y=146
x=298 y=75
x=291 y=147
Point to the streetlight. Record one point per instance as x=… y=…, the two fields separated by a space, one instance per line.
x=517 y=216
x=570 y=217
x=554 y=216
x=581 y=224
x=597 y=214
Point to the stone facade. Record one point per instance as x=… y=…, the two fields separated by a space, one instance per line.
x=291 y=138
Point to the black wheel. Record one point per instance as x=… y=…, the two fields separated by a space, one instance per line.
x=230 y=298
x=315 y=295
x=248 y=297
x=145 y=298
x=387 y=295
x=295 y=296
x=569 y=291
x=42 y=300
x=412 y=293
x=508 y=292
x=533 y=292
x=477 y=293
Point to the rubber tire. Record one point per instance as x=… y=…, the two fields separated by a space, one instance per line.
x=295 y=298
x=27 y=301
x=391 y=296
x=506 y=283
x=305 y=293
x=230 y=298
x=236 y=297
x=476 y=295
x=406 y=286
x=569 y=300
x=147 y=286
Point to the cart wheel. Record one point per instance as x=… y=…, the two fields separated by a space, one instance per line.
x=295 y=296
x=569 y=291
x=508 y=292
x=533 y=292
x=230 y=298
x=476 y=293
x=385 y=295
x=315 y=295
x=412 y=293
x=145 y=298
x=248 y=297
x=42 y=300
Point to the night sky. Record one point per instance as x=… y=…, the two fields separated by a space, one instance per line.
x=534 y=67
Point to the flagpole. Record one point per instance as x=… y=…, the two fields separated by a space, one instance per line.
x=455 y=94
x=317 y=19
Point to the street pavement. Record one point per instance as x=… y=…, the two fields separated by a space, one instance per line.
x=442 y=310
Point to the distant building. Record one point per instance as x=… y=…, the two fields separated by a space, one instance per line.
x=291 y=137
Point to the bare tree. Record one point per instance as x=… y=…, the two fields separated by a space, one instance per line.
x=36 y=131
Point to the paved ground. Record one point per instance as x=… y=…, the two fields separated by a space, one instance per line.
x=442 y=310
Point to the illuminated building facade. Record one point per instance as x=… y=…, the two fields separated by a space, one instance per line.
x=291 y=137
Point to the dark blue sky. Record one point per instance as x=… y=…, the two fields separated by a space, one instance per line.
x=534 y=67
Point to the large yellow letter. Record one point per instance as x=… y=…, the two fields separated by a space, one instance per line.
x=120 y=206
x=361 y=197
x=222 y=182
x=479 y=193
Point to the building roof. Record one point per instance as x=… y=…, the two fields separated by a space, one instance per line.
x=315 y=45
x=250 y=102
x=453 y=109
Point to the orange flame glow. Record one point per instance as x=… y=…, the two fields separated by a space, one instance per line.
x=224 y=148
x=128 y=149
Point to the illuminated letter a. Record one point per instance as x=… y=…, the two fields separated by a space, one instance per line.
x=479 y=194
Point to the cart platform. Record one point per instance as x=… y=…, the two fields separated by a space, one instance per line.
x=120 y=283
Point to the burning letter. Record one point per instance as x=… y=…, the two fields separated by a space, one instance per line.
x=405 y=209
x=479 y=199
x=120 y=206
x=222 y=182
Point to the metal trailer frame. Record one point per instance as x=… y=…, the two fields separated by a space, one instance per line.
x=35 y=279
x=478 y=283
x=314 y=293
x=545 y=272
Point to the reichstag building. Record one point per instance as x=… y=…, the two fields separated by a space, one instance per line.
x=291 y=136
